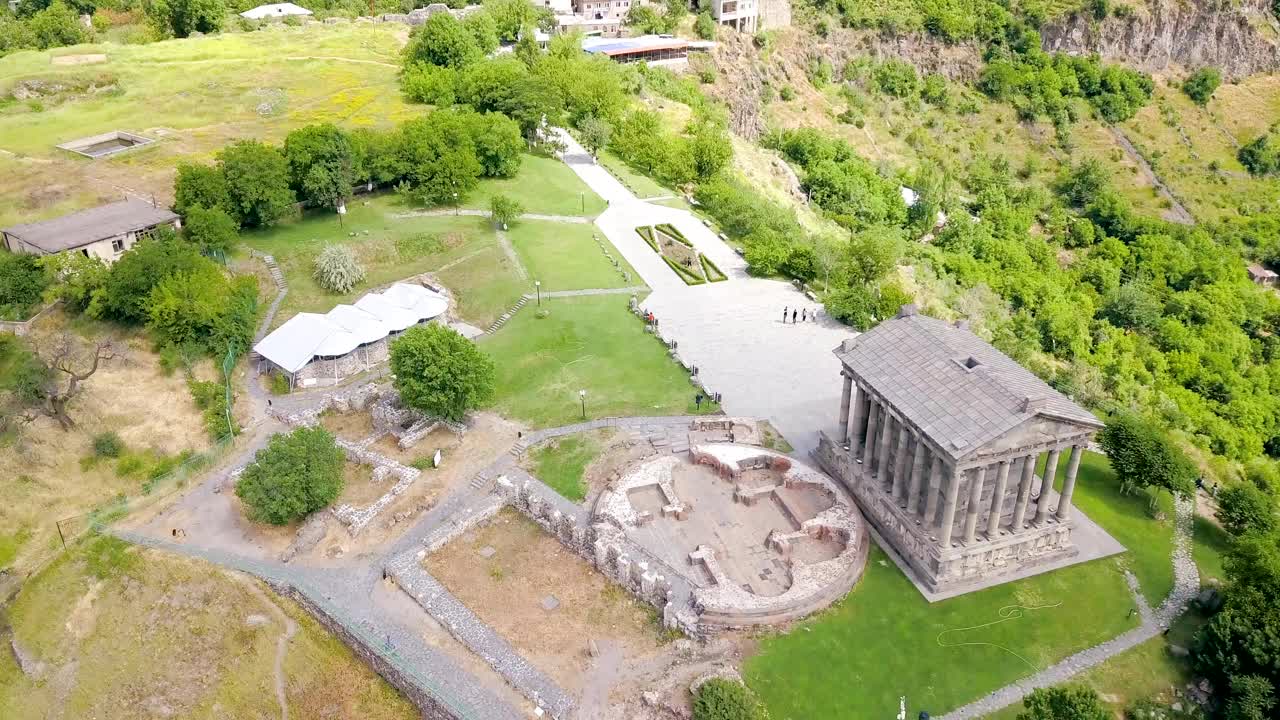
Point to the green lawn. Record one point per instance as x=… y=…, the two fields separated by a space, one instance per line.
x=565 y=256
x=485 y=285
x=642 y=185
x=884 y=640
x=585 y=343
x=390 y=248
x=543 y=185
x=561 y=463
x=1149 y=542
x=1208 y=542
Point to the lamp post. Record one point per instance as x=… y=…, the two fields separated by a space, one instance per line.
x=455 y=204
x=582 y=395
x=537 y=285
x=582 y=197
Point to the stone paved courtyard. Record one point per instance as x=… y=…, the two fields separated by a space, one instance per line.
x=733 y=330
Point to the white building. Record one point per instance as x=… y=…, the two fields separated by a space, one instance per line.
x=313 y=349
x=104 y=232
x=741 y=15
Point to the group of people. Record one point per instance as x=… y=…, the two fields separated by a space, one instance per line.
x=799 y=315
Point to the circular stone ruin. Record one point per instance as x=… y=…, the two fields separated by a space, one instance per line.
x=760 y=537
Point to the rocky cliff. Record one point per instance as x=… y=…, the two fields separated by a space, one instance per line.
x=1240 y=38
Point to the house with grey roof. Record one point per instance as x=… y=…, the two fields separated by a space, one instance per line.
x=104 y=232
x=952 y=450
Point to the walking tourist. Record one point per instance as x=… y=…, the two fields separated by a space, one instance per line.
x=784 y=316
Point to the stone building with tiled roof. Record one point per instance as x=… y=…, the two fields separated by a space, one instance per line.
x=941 y=440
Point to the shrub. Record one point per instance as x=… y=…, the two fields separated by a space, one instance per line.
x=1261 y=156
x=294 y=475
x=787 y=94
x=896 y=78
x=1201 y=84
x=337 y=270
x=504 y=210
x=722 y=699
x=107 y=445
x=704 y=27
x=279 y=384
x=211 y=397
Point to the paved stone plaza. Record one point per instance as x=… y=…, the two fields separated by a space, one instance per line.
x=733 y=330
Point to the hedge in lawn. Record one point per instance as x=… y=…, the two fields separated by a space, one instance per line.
x=440 y=372
x=293 y=476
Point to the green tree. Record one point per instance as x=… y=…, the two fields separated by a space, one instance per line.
x=594 y=133
x=1252 y=698
x=1244 y=507
x=510 y=16
x=710 y=149
x=57 y=26
x=1133 y=307
x=1143 y=456
x=322 y=163
x=180 y=18
x=499 y=146
x=724 y=699
x=1261 y=156
x=186 y=306
x=527 y=50
x=872 y=253
x=441 y=372
x=484 y=29
x=202 y=186
x=444 y=41
x=210 y=228
x=767 y=251
x=15 y=35
x=77 y=280
x=705 y=27
x=128 y=285
x=1201 y=84
x=257 y=177
x=1065 y=702
x=897 y=78
x=504 y=210
x=22 y=281
x=429 y=84
x=438 y=153
x=294 y=475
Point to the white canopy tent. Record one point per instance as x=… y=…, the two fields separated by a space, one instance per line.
x=307 y=336
x=275 y=10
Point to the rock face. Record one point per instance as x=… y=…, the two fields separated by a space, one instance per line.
x=1238 y=38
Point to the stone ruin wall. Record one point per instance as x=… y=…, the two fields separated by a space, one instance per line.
x=607 y=550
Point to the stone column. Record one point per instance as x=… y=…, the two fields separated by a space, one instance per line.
x=900 y=466
x=917 y=477
x=1024 y=491
x=844 y=407
x=975 y=501
x=1069 y=485
x=859 y=420
x=869 y=441
x=997 y=499
x=935 y=488
x=1046 y=486
x=882 y=454
x=949 y=507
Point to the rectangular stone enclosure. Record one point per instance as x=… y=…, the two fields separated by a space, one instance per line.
x=110 y=143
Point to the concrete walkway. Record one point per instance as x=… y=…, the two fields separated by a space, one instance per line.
x=733 y=330
x=469 y=212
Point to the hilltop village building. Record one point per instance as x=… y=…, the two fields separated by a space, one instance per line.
x=313 y=349
x=104 y=232
x=940 y=440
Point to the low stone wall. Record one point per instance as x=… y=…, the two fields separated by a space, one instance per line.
x=356 y=519
x=427 y=704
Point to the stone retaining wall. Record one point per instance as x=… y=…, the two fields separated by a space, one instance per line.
x=428 y=705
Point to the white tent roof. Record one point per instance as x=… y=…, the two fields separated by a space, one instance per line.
x=274 y=10
x=346 y=327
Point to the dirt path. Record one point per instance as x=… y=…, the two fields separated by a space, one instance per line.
x=1176 y=212
x=509 y=250
x=282 y=642
x=232 y=61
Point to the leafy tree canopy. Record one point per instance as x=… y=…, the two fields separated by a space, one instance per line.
x=440 y=372
x=294 y=475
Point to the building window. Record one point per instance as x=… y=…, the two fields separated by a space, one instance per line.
x=117 y=245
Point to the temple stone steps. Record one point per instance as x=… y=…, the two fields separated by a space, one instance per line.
x=497 y=324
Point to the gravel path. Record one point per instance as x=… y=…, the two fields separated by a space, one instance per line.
x=596 y=291
x=443 y=212
x=1154 y=622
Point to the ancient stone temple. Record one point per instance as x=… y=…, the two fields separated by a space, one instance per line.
x=952 y=450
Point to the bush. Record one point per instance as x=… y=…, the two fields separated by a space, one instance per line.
x=337 y=269
x=896 y=78
x=22 y=282
x=210 y=228
x=211 y=397
x=504 y=210
x=1201 y=84
x=1261 y=156
x=722 y=699
x=705 y=27
x=107 y=445
x=441 y=372
x=294 y=475
x=279 y=384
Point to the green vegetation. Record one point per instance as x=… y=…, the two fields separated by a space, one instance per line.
x=721 y=699
x=22 y=282
x=440 y=372
x=638 y=183
x=1127 y=517
x=1201 y=84
x=293 y=476
x=1064 y=702
x=562 y=463
x=999 y=635
x=543 y=185
x=568 y=256
x=337 y=269
x=585 y=343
